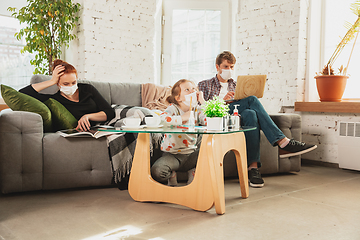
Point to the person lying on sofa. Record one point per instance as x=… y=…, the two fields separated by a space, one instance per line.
x=252 y=114
x=82 y=100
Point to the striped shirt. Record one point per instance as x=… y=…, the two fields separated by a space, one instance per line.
x=212 y=87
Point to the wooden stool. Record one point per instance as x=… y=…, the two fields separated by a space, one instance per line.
x=207 y=188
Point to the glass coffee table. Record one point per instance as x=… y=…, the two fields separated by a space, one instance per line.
x=207 y=188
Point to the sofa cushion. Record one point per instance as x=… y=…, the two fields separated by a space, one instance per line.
x=117 y=92
x=75 y=162
x=61 y=117
x=41 y=78
x=126 y=93
x=21 y=102
x=102 y=87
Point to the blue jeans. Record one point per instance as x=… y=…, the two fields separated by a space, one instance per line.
x=253 y=114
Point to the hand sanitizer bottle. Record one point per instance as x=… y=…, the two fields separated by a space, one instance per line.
x=237 y=117
x=191 y=121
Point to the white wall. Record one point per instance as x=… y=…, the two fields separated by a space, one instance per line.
x=115 y=41
x=323 y=129
x=271 y=40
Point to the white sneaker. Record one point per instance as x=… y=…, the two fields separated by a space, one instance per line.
x=191 y=175
x=172 y=181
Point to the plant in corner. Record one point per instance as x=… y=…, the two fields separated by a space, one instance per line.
x=214 y=111
x=331 y=86
x=48 y=30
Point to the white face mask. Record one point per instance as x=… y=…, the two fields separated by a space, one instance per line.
x=69 y=91
x=226 y=74
x=190 y=97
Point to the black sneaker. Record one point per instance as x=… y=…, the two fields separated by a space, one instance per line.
x=294 y=148
x=255 y=179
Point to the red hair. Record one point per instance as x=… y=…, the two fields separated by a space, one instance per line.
x=68 y=67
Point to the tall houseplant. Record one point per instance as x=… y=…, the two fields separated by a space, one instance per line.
x=48 y=30
x=331 y=85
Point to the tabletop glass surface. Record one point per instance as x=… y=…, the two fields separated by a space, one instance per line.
x=176 y=129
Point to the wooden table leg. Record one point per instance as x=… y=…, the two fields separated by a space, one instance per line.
x=242 y=166
x=142 y=187
x=217 y=146
x=215 y=159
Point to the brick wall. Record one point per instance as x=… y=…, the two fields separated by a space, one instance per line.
x=115 y=41
x=323 y=129
x=271 y=39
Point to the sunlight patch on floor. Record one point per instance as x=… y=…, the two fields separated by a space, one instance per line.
x=125 y=231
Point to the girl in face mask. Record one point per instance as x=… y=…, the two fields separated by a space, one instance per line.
x=179 y=150
x=81 y=100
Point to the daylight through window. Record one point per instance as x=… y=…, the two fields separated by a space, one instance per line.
x=15 y=68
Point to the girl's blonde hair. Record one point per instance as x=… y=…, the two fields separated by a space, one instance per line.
x=176 y=90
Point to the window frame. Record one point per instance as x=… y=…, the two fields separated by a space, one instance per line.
x=315 y=47
x=166 y=41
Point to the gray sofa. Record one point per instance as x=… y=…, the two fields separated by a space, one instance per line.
x=32 y=160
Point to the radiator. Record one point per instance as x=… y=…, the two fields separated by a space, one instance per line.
x=349 y=145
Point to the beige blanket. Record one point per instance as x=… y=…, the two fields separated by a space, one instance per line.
x=154 y=96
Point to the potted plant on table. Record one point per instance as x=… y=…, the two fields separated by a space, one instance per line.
x=215 y=110
x=48 y=30
x=331 y=85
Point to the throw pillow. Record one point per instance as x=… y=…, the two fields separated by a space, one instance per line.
x=61 y=117
x=21 y=102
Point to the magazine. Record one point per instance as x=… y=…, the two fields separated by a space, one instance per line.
x=93 y=132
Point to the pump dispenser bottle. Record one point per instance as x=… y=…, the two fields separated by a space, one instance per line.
x=237 y=117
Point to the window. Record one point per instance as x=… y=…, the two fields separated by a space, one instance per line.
x=325 y=32
x=335 y=16
x=15 y=68
x=193 y=34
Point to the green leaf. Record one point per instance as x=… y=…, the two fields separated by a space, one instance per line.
x=215 y=108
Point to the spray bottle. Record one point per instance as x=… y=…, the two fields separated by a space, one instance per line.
x=237 y=117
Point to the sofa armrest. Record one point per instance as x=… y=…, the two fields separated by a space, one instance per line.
x=21 y=160
x=290 y=125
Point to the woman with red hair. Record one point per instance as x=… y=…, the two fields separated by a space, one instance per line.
x=80 y=99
